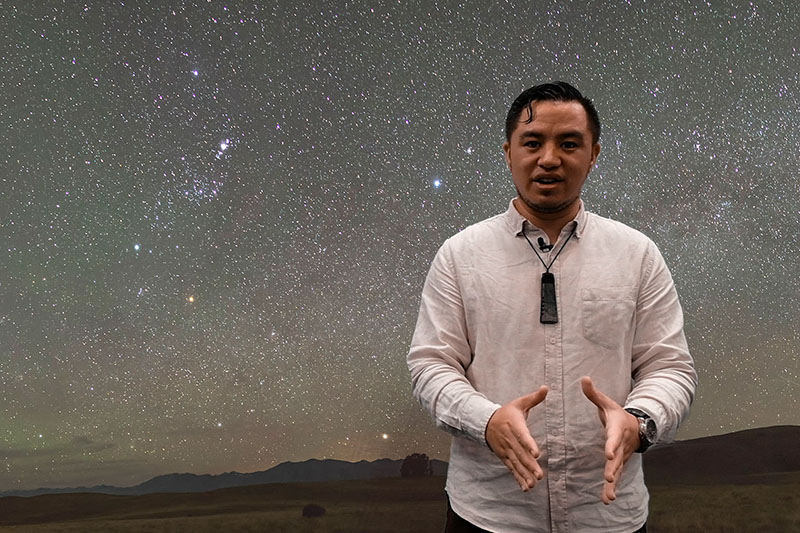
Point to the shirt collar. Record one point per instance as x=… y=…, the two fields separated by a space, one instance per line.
x=516 y=222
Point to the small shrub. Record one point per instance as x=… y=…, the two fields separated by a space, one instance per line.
x=416 y=465
x=313 y=510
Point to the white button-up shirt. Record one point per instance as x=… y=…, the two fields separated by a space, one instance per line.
x=479 y=344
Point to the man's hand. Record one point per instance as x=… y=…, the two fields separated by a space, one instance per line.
x=622 y=436
x=508 y=437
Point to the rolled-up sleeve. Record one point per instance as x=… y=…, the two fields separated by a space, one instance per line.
x=663 y=370
x=440 y=354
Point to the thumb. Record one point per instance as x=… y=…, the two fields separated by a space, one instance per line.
x=526 y=403
x=591 y=392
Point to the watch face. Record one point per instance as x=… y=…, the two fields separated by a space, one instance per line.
x=648 y=429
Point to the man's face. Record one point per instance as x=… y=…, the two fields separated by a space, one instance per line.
x=550 y=157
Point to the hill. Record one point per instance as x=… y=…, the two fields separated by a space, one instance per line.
x=743 y=481
x=288 y=472
x=740 y=457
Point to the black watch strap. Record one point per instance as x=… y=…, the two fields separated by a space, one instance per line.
x=647 y=429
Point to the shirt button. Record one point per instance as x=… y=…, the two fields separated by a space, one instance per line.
x=552 y=340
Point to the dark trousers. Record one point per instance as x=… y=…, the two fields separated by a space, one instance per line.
x=456 y=524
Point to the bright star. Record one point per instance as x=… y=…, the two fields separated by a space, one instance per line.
x=195 y=73
x=385 y=436
x=136 y=247
x=437 y=183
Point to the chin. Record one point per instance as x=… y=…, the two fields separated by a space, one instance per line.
x=548 y=205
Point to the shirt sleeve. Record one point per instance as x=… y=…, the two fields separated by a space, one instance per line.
x=662 y=368
x=440 y=354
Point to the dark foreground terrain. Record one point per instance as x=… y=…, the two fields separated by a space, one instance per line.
x=766 y=503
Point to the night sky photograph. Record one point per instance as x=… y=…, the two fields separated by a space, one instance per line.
x=216 y=217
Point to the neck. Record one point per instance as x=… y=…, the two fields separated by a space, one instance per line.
x=550 y=223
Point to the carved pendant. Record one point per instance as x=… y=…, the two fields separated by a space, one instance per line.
x=549 y=309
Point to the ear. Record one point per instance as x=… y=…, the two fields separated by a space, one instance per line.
x=506 y=150
x=595 y=153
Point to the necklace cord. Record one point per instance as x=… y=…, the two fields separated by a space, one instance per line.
x=546 y=266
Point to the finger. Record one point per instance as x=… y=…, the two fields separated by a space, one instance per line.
x=613 y=465
x=519 y=475
x=618 y=471
x=526 y=448
x=524 y=476
x=612 y=473
x=512 y=442
x=609 y=493
x=527 y=442
x=526 y=403
x=527 y=453
x=532 y=466
x=613 y=442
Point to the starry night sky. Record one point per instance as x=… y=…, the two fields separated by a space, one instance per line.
x=216 y=218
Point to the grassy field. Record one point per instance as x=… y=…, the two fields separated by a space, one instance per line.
x=352 y=506
x=764 y=508
x=385 y=505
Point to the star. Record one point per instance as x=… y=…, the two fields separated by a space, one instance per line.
x=293 y=191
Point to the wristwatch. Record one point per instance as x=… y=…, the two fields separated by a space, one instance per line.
x=647 y=429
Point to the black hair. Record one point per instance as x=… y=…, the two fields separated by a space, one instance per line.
x=558 y=91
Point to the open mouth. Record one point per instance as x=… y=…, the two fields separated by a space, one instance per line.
x=546 y=181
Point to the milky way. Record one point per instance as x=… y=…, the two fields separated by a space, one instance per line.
x=216 y=220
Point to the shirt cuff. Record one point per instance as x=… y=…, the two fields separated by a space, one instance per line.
x=475 y=417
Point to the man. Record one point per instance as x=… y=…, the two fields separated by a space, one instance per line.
x=525 y=318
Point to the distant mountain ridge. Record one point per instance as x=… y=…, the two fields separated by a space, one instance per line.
x=738 y=457
x=288 y=472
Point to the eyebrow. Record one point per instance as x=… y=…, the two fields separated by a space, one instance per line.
x=563 y=135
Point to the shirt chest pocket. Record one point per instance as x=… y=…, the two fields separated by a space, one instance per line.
x=607 y=314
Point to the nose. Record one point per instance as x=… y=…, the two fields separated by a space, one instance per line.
x=549 y=157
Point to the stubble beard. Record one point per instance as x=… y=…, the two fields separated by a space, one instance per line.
x=536 y=207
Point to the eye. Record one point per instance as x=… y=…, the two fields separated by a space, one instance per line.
x=532 y=144
x=569 y=145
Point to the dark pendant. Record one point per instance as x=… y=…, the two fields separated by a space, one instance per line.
x=549 y=309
